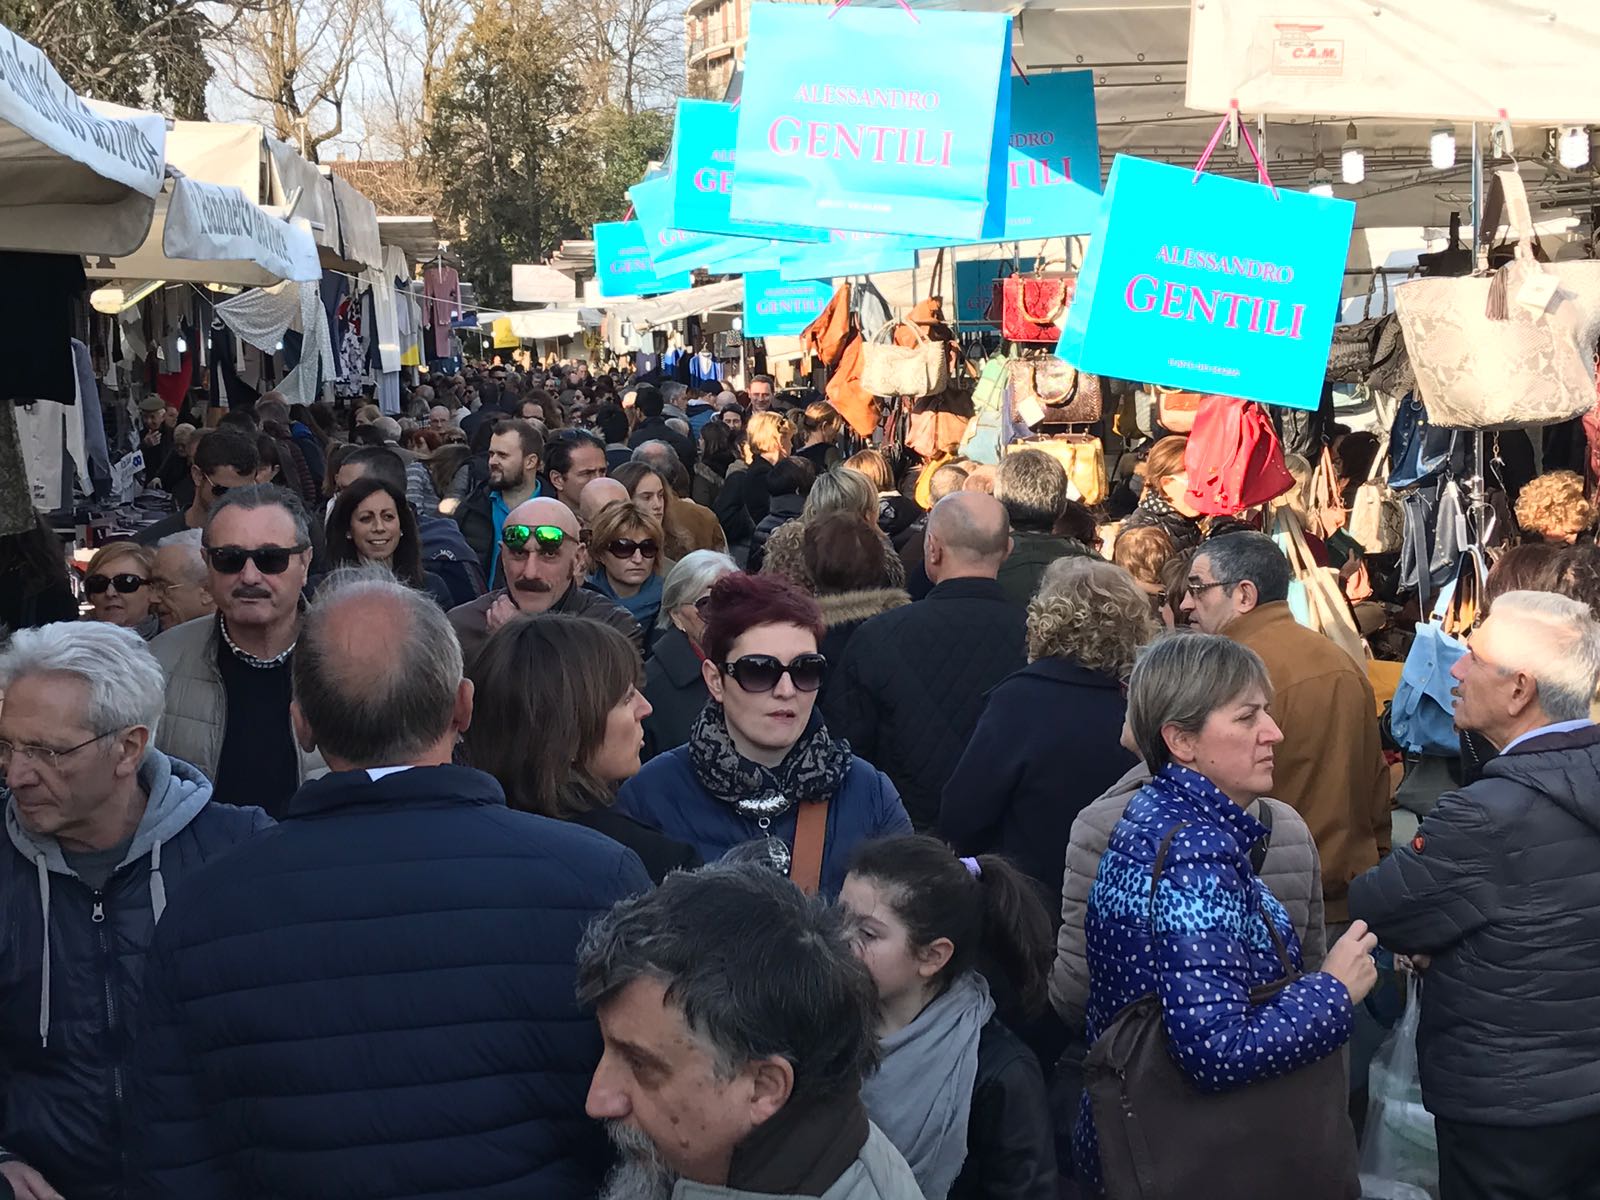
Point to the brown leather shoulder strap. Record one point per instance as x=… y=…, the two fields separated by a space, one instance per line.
x=810 y=834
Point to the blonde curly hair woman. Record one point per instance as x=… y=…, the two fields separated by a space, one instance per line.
x=1048 y=742
x=1552 y=508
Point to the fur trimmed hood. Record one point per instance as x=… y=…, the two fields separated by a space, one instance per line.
x=841 y=608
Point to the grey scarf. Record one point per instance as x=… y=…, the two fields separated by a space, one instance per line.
x=921 y=1096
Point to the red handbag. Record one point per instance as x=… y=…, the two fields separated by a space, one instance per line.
x=1233 y=458
x=1033 y=304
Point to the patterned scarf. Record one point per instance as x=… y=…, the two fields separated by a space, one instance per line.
x=1157 y=505
x=812 y=770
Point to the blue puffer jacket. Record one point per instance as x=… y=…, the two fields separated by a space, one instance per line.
x=375 y=1000
x=67 y=1001
x=668 y=795
x=1211 y=946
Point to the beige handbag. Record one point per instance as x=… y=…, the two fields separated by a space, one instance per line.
x=1484 y=359
x=1326 y=610
x=1081 y=456
x=1377 y=519
x=889 y=369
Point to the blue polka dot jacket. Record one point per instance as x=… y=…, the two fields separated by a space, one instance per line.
x=1209 y=947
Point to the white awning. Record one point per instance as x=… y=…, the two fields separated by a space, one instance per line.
x=537 y=324
x=292 y=177
x=675 y=306
x=214 y=233
x=532 y=283
x=74 y=179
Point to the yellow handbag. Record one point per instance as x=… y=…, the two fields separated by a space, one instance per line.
x=1081 y=456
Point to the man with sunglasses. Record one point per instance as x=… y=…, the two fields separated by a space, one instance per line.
x=228 y=676
x=223 y=459
x=102 y=828
x=541 y=556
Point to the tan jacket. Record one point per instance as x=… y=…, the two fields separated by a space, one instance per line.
x=1290 y=871
x=196 y=714
x=1330 y=764
x=691 y=526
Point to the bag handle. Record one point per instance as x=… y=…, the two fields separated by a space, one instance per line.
x=1022 y=303
x=1160 y=865
x=810 y=837
x=936 y=276
x=890 y=326
x=1066 y=393
x=1232 y=119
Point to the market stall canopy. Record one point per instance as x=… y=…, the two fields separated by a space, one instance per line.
x=215 y=233
x=417 y=236
x=359 y=244
x=532 y=283
x=537 y=324
x=292 y=177
x=74 y=177
x=674 y=306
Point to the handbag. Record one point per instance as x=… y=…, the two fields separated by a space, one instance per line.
x=1033 y=304
x=1377 y=522
x=1046 y=390
x=827 y=336
x=1353 y=352
x=1422 y=713
x=1082 y=457
x=1175 y=410
x=1323 y=500
x=1468 y=605
x=1233 y=459
x=1483 y=359
x=1315 y=597
x=1162 y=1138
x=1417 y=451
x=992 y=424
x=890 y=369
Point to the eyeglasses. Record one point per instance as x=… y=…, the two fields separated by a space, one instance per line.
x=702 y=604
x=761 y=672
x=627 y=548
x=217 y=489
x=45 y=756
x=1199 y=589
x=126 y=583
x=547 y=539
x=269 y=560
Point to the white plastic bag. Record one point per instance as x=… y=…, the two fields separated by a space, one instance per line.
x=1399 y=1153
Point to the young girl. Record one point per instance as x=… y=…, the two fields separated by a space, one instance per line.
x=958 y=1094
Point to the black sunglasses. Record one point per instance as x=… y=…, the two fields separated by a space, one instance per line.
x=627 y=548
x=269 y=560
x=761 y=672
x=127 y=583
x=547 y=538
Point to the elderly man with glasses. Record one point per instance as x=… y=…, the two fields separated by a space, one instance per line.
x=542 y=560
x=101 y=828
x=228 y=689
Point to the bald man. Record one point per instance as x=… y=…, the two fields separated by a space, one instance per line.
x=947 y=480
x=542 y=557
x=912 y=683
x=598 y=493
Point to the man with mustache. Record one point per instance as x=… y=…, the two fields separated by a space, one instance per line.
x=228 y=675
x=540 y=554
x=721 y=1076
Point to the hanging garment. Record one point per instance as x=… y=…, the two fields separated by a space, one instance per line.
x=704 y=370
x=36 y=325
x=262 y=317
x=441 y=290
x=16 y=500
x=173 y=387
x=227 y=389
x=389 y=393
x=410 y=314
x=42 y=433
x=385 y=306
x=88 y=447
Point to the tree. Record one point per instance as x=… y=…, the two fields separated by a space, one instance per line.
x=633 y=50
x=295 y=60
x=409 y=44
x=618 y=146
x=142 y=53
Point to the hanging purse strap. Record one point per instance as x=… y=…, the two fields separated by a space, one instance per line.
x=1160 y=865
x=1258 y=852
x=810 y=838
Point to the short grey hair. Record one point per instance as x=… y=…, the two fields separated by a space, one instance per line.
x=1558 y=643
x=263 y=495
x=388 y=428
x=273 y=409
x=189 y=537
x=377 y=712
x=693 y=574
x=1236 y=557
x=194 y=562
x=841 y=490
x=655 y=453
x=1181 y=679
x=126 y=686
x=1033 y=487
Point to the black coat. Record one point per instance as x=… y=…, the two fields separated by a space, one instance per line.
x=1011 y=1153
x=660 y=854
x=676 y=691
x=376 y=1000
x=1500 y=887
x=1044 y=749
x=744 y=501
x=475 y=516
x=66 y=1105
x=780 y=511
x=912 y=684
x=656 y=429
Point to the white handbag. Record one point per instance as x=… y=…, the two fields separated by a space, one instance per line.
x=1377 y=519
x=890 y=369
x=1484 y=358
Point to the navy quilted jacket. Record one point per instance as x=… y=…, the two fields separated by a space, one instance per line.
x=1210 y=946
x=375 y=1000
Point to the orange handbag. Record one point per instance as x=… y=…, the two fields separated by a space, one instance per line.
x=827 y=336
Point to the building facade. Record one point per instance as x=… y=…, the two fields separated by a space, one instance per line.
x=716 y=32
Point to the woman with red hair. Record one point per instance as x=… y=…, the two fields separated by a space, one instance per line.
x=760 y=765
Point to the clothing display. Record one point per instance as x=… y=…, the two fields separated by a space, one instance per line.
x=36 y=324
x=704 y=371
x=441 y=305
x=263 y=316
x=92 y=451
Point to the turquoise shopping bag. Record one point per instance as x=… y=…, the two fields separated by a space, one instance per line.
x=774 y=307
x=876 y=120
x=847 y=252
x=975 y=282
x=675 y=249
x=703 y=159
x=1210 y=284
x=622 y=265
x=1053 y=157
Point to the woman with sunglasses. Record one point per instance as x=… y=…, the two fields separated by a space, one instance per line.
x=672 y=680
x=759 y=751
x=625 y=547
x=117 y=584
x=557 y=717
x=372 y=523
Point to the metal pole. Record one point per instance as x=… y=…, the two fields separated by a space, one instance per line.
x=1478 y=483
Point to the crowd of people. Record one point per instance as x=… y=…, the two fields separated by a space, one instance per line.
x=576 y=788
